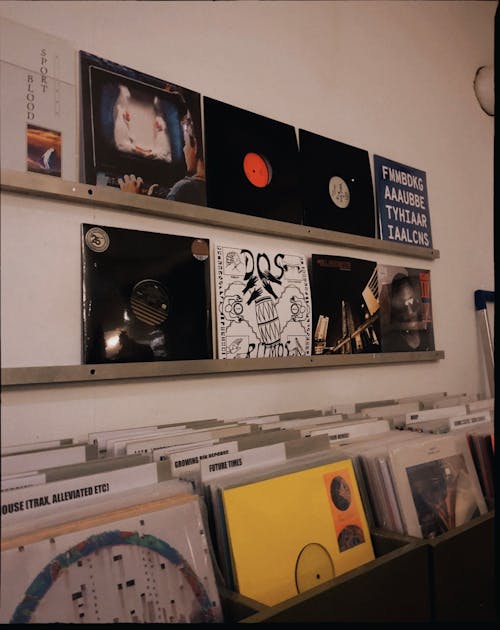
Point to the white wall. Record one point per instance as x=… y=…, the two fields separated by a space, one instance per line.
x=395 y=78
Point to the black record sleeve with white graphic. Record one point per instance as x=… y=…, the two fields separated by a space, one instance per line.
x=146 y=296
x=345 y=305
x=251 y=163
x=336 y=185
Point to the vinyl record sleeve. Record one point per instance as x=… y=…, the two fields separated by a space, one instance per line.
x=137 y=124
x=294 y=531
x=424 y=415
x=38 y=113
x=345 y=292
x=363 y=452
x=336 y=185
x=437 y=484
x=263 y=303
x=252 y=163
x=146 y=296
x=147 y=563
x=402 y=203
x=38 y=460
x=193 y=437
x=406 y=322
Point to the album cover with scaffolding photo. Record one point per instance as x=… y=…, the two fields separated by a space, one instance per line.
x=345 y=305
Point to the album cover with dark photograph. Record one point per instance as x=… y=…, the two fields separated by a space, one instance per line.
x=406 y=322
x=345 y=305
x=252 y=163
x=336 y=185
x=437 y=484
x=140 y=131
x=146 y=296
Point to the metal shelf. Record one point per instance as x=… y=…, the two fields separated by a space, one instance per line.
x=104 y=372
x=39 y=185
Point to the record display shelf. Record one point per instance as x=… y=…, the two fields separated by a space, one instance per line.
x=39 y=185
x=42 y=375
x=393 y=587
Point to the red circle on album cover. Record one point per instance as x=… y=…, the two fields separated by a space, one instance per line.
x=257 y=170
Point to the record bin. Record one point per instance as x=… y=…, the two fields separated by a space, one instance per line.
x=462 y=572
x=393 y=587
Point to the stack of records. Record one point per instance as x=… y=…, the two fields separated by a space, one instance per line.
x=420 y=485
x=89 y=539
x=276 y=548
x=482 y=445
x=148 y=562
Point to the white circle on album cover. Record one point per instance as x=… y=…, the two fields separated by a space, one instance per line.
x=339 y=191
x=97 y=239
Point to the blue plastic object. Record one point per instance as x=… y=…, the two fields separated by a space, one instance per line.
x=482 y=297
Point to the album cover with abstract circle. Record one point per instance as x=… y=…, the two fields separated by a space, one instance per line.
x=345 y=305
x=251 y=163
x=140 y=128
x=336 y=185
x=146 y=296
x=295 y=530
x=147 y=563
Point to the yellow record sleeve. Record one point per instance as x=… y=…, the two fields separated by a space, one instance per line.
x=295 y=531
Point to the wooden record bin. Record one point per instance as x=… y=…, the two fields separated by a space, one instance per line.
x=394 y=587
x=462 y=572
x=447 y=579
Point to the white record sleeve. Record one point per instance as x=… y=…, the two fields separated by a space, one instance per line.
x=148 y=563
x=263 y=303
x=437 y=484
x=38 y=105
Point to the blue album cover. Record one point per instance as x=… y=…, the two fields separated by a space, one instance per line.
x=141 y=133
x=403 y=204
